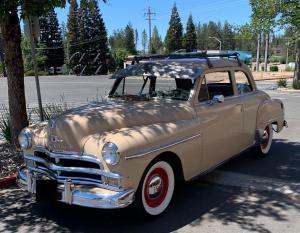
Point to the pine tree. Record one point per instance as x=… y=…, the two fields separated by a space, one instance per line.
x=190 y=37
x=144 y=40
x=228 y=37
x=93 y=38
x=130 y=39
x=157 y=44
x=174 y=36
x=73 y=32
x=51 y=38
x=136 y=37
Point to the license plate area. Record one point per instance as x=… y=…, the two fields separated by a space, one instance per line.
x=46 y=190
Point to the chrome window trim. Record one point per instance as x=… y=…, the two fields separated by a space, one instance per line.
x=162 y=147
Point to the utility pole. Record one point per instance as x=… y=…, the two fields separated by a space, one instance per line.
x=37 y=81
x=149 y=16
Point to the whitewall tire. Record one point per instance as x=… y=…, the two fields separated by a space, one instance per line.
x=265 y=145
x=157 y=188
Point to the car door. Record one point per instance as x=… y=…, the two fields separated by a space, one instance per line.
x=250 y=98
x=220 y=123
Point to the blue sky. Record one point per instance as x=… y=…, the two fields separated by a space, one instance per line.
x=117 y=13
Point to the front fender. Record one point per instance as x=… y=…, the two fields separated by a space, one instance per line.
x=148 y=141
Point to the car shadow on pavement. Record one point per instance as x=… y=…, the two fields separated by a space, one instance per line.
x=195 y=204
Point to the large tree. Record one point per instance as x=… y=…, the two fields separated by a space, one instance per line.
x=2 y=63
x=228 y=41
x=73 y=32
x=93 y=38
x=157 y=44
x=129 y=39
x=289 y=12
x=51 y=37
x=190 y=37
x=144 y=40
x=10 y=27
x=263 y=19
x=174 y=36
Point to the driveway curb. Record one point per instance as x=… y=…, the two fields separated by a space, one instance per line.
x=7 y=181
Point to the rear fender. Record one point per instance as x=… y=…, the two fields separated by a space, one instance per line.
x=271 y=112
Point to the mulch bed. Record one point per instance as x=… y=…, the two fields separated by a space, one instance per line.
x=10 y=160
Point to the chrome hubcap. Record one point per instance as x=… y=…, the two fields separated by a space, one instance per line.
x=155 y=186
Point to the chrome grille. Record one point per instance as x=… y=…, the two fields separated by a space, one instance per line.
x=80 y=168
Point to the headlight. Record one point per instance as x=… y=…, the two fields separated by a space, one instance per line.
x=110 y=153
x=25 y=139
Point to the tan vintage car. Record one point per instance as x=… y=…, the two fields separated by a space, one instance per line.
x=166 y=119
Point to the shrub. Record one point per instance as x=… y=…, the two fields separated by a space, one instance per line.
x=5 y=123
x=282 y=82
x=274 y=68
x=40 y=73
x=296 y=84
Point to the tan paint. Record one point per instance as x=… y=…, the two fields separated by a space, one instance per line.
x=154 y=127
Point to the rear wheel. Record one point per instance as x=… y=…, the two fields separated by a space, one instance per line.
x=264 y=147
x=156 y=189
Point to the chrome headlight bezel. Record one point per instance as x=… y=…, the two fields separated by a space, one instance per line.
x=110 y=153
x=25 y=139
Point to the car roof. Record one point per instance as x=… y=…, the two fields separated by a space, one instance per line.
x=186 y=68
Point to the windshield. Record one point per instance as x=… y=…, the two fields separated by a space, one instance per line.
x=143 y=88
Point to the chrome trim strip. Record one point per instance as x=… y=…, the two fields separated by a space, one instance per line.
x=75 y=180
x=76 y=195
x=91 y=171
x=69 y=155
x=162 y=147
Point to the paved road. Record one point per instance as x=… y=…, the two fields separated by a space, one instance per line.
x=247 y=194
x=70 y=89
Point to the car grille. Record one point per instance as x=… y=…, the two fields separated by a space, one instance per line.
x=80 y=168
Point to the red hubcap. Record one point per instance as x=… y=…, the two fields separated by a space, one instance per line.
x=156 y=187
x=266 y=136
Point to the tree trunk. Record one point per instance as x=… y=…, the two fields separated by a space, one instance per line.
x=258 y=52
x=297 y=68
x=3 y=63
x=15 y=72
x=266 y=53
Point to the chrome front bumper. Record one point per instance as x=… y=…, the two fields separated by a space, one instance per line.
x=75 y=194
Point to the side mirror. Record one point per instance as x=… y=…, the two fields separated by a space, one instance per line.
x=218 y=98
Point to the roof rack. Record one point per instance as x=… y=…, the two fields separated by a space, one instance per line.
x=200 y=55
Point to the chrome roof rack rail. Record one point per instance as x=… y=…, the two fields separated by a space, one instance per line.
x=191 y=55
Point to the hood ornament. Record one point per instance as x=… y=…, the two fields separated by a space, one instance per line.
x=55 y=139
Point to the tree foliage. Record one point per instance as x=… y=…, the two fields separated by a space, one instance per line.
x=157 y=43
x=51 y=38
x=73 y=31
x=124 y=39
x=93 y=38
x=174 y=38
x=190 y=37
x=144 y=40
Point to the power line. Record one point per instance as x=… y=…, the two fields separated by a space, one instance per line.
x=149 y=16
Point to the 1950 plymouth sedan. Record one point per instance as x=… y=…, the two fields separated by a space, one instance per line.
x=167 y=118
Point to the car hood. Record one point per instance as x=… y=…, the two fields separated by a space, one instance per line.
x=69 y=130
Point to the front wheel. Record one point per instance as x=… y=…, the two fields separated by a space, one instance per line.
x=264 y=147
x=156 y=189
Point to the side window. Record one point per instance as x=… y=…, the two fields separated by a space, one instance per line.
x=242 y=83
x=216 y=83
